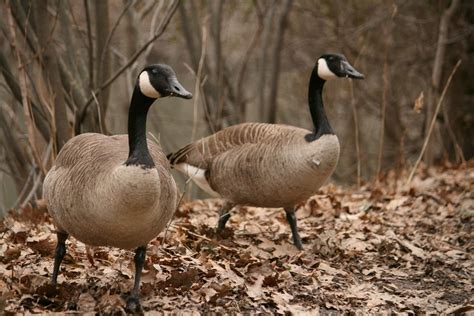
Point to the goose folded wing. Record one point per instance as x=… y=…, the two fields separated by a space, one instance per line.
x=202 y=152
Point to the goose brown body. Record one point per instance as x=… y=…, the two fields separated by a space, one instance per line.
x=95 y=197
x=116 y=190
x=269 y=165
x=259 y=164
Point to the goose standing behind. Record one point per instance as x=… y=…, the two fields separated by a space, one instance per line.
x=269 y=165
x=116 y=190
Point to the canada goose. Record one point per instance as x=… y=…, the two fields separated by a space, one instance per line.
x=269 y=165
x=116 y=190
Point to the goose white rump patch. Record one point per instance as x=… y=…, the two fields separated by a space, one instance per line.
x=198 y=176
x=323 y=70
x=146 y=87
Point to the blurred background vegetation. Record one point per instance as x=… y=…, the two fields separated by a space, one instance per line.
x=69 y=67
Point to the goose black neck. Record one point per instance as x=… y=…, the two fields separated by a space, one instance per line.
x=138 y=154
x=316 y=107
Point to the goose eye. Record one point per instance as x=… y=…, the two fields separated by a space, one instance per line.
x=154 y=71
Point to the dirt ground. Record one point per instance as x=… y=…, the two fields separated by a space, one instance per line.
x=380 y=248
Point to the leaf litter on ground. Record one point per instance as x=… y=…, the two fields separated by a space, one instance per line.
x=380 y=248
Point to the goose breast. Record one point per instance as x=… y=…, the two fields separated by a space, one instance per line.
x=95 y=197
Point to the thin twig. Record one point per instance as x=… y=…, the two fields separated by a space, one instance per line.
x=384 y=109
x=98 y=111
x=205 y=238
x=154 y=19
x=433 y=120
x=37 y=182
x=457 y=148
x=356 y=130
x=25 y=186
x=207 y=114
x=197 y=85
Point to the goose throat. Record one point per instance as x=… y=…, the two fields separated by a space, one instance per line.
x=138 y=148
x=316 y=107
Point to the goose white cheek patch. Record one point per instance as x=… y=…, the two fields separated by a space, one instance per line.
x=323 y=70
x=145 y=86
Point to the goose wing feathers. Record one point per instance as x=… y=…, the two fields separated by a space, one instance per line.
x=202 y=152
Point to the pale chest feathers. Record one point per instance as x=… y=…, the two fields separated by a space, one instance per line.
x=134 y=187
x=295 y=174
x=320 y=155
x=299 y=166
x=125 y=207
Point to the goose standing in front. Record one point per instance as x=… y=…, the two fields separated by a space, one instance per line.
x=269 y=165
x=116 y=190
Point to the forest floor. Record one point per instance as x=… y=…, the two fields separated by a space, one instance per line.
x=380 y=248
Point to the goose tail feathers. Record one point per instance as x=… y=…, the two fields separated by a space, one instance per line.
x=180 y=155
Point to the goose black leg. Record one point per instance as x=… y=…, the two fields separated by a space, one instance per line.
x=291 y=218
x=133 y=302
x=59 y=255
x=224 y=215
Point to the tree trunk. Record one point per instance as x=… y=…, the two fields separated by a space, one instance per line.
x=433 y=151
x=266 y=40
x=102 y=57
x=276 y=60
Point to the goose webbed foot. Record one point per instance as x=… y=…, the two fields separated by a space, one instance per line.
x=133 y=304
x=223 y=218
x=291 y=218
x=133 y=301
x=224 y=215
x=59 y=255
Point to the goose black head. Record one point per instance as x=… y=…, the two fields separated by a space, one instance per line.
x=332 y=66
x=159 y=81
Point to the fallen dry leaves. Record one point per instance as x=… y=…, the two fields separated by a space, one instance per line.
x=376 y=249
